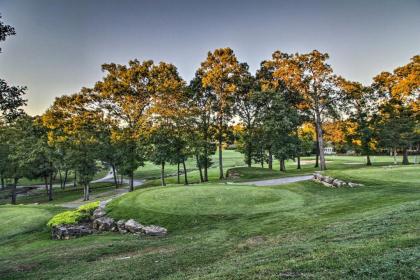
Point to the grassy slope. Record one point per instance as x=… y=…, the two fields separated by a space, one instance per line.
x=218 y=231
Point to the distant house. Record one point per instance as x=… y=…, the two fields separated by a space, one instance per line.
x=329 y=150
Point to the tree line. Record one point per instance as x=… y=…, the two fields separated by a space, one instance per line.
x=144 y=111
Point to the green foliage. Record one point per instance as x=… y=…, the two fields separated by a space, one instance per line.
x=66 y=218
x=73 y=216
x=88 y=208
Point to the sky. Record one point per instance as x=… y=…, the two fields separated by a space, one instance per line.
x=60 y=45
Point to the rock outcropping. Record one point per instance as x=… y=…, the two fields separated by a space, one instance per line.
x=333 y=182
x=70 y=231
x=100 y=222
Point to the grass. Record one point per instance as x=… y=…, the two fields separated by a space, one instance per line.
x=235 y=160
x=59 y=195
x=232 y=231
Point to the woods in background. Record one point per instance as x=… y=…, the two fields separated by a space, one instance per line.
x=145 y=111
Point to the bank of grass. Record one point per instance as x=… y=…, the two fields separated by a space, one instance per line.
x=222 y=231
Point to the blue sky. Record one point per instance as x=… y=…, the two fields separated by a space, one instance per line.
x=60 y=45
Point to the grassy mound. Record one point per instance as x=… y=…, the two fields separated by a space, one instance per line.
x=177 y=206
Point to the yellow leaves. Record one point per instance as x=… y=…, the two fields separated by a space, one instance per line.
x=334 y=132
x=307 y=128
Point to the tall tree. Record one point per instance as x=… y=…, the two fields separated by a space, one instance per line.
x=201 y=104
x=279 y=121
x=169 y=116
x=312 y=78
x=399 y=106
x=125 y=94
x=247 y=108
x=220 y=72
x=5 y=31
x=75 y=121
x=361 y=108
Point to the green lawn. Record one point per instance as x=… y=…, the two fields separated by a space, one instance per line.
x=231 y=231
x=70 y=193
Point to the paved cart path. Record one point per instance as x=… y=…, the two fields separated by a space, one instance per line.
x=280 y=181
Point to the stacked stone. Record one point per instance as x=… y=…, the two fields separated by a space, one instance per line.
x=101 y=222
x=332 y=182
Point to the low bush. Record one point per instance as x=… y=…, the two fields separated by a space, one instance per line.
x=73 y=216
x=88 y=208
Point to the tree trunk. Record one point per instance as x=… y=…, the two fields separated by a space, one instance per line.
x=282 y=165
x=249 y=155
x=405 y=157
x=131 y=180
x=14 y=191
x=86 y=189
x=162 y=173
x=75 y=179
x=262 y=163
x=206 y=154
x=46 y=184
x=114 y=175
x=270 y=159
x=50 y=192
x=121 y=179
x=178 y=180
x=2 y=183
x=61 y=178
x=320 y=143
x=199 y=168
x=66 y=172
x=185 y=173
x=298 y=162
x=395 y=156
x=316 y=148
x=368 y=162
x=221 y=175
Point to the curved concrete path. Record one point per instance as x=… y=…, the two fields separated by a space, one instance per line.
x=280 y=181
x=103 y=195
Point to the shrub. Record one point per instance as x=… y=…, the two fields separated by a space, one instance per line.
x=73 y=216
x=66 y=218
x=89 y=208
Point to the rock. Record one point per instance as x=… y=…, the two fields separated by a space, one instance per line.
x=338 y=183
x=98 y=213
x=353 y=185
x=121 y=226
x=70 y=231
x=103 y=204
x=153 y=230
x=133 y=226
x=105 y=224
x=328 y=179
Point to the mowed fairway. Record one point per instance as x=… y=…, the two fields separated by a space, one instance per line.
x=231 y=231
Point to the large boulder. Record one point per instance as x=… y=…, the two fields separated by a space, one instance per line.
x=338 y=183
x=98 y=213
x=133 y=226
x=105 y=224
x=328 y=179
x=153 y=230
x=354 y=185
x=121 y=226
x=70 y=231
